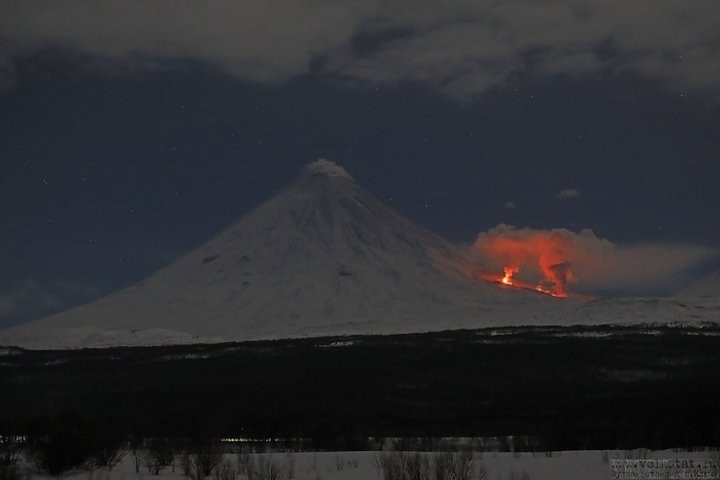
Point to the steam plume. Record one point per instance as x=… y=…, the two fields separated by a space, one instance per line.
x=559 y=258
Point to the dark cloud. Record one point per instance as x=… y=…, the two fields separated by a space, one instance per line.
x=459 y=48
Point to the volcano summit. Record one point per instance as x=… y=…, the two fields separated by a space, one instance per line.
x=324 y=257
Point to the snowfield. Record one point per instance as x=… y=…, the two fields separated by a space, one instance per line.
x=569 y=465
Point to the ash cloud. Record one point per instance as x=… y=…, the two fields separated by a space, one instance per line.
x=458 y=48
x=585 y=262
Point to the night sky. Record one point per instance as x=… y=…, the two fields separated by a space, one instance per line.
x=132 y=131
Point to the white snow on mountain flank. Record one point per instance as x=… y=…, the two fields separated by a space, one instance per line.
x=323 y=257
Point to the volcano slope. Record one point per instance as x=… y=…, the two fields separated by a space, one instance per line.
x=323 y=257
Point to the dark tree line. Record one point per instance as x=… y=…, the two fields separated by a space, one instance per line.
x=622 y=390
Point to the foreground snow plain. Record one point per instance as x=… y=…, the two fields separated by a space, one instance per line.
x=362 y=465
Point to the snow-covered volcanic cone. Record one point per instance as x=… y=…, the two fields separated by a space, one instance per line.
x=324 y=257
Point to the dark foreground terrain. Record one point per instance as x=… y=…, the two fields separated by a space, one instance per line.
x=552 y=388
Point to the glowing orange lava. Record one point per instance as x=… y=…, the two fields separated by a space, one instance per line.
x=555 y=292
x=508 y=278
x=542 y=254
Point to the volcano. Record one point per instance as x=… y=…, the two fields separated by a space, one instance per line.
x=324 y=257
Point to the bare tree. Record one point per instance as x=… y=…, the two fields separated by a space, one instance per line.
x=482 y=472
x=11 y=448
x=289 y=466
x=391 y=465
x=135 y=443
x=403 y=466
x=454 y=465
x=66 y=444
x=265 y=466
x=159 y=455
x=243 y=457
x=201 y=458
x=226 y=471
x=418 y=466
x=108 y=456
x=714 y=462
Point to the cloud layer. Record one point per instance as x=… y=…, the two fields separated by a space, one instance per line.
x=596 y=263
x=460 y=48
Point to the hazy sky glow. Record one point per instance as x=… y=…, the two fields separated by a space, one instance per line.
x=131 y=131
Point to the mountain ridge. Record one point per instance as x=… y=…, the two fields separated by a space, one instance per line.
x=322 y=257
x=326 y=258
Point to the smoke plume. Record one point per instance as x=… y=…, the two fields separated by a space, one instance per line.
x=559 y=259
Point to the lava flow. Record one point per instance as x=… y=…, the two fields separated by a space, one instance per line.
x=539 y=254
x=509 y=280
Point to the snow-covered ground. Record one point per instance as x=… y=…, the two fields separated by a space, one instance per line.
x=575 y=465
